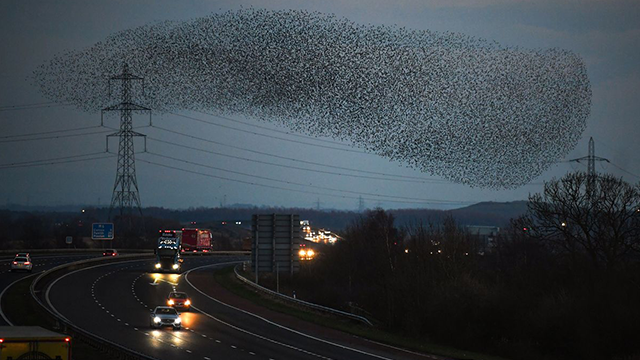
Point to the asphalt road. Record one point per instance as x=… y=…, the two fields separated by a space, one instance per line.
x=114 y=301
x=40 y=263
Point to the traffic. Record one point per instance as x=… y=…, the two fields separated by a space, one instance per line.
x=132 y=300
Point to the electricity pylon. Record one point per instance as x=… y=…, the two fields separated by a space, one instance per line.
x=591 y=159
x=125 y=190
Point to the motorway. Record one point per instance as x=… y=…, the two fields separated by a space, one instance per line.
x=40 y=263
x=114 y=300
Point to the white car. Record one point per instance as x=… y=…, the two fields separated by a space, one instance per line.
x=165 y=316
x=22 y=263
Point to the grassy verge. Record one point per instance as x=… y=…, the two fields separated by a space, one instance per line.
x=226 y=278
x=22 y=310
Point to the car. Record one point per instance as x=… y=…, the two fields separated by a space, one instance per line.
x=165 y=316
x=110 y=252
x=179 y=300
x=21 y=263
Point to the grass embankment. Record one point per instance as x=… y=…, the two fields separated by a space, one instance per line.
x=22 y=310
x=226 y=278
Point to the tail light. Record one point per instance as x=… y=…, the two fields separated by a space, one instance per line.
x=15 y=263
x=27 y=263
x=67 y=339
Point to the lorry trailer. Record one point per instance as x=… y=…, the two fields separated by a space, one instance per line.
x=33 y=342
x=196 y=240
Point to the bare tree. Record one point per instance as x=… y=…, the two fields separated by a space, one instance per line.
x=593 y=215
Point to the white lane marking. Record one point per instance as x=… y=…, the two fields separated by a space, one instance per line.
x=260 y=336
x=48 y=290
x=186 y=277
x=2 y=293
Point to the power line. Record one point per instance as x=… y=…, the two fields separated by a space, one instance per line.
x=270 y=136
x=274 y=130
x=52 y=159
x=32 y=104
x=300 y=184
x=55 y=137
x=32 y=107
x=48 y=132
x=57 y=162
x=286 y=166
x=278 y=187
x=291 y=159
x=621 y=169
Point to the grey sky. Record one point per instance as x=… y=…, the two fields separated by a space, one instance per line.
x=606 y=34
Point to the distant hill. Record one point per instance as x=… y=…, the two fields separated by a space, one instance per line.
x=490 y=213
x=485 y=213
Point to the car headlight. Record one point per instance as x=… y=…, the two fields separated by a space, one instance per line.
x=310 y=253
x=302 y=253
x=157 y=319
x=158 y=266
x=175 y=266
x=170 y=302
x=177 y=321
x=188 y=302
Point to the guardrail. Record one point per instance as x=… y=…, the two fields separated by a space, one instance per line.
x=117 y=350
x=321 y=308
x=55 y=251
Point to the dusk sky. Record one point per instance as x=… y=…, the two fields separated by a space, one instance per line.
x=605 y=34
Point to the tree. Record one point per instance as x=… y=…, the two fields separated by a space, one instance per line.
x=597 y=216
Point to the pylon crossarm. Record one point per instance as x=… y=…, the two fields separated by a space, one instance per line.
x=112 y=107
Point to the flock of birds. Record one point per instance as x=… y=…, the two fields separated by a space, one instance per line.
x=448 y=104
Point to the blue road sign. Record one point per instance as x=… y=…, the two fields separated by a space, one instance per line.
x=102 y=231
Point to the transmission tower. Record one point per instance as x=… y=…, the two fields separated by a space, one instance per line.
x=591 y=159
x=125 y=190
x=360 y=204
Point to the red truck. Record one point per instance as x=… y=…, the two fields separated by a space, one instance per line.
x=194 y=240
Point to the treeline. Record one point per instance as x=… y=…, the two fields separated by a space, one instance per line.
x=49 y=230
x=493 y=214
x=561 y=282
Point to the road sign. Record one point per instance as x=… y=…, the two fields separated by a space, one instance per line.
x=102 y=231
x=68 y=240
x=276 y=239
